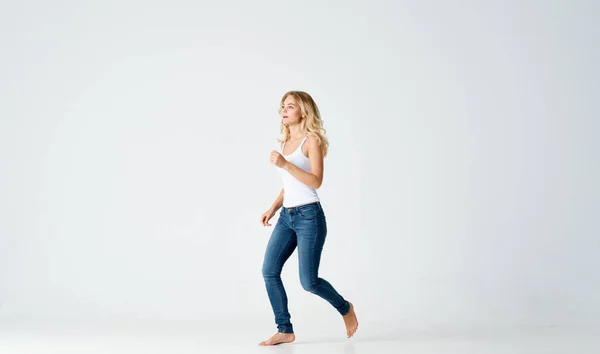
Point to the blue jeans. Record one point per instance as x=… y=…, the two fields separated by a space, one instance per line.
x=303 y=226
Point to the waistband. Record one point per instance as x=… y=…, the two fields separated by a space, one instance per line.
x=303 y=206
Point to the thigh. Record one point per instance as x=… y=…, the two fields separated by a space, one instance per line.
x=311 y=233
x=280 y=247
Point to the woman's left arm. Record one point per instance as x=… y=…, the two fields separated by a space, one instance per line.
x=314 y=178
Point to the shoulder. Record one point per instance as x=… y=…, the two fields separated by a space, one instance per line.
x=313 y=139
x=313 y=144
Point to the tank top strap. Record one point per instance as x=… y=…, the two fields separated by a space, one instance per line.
x=303 y=140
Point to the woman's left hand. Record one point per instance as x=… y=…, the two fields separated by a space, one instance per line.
x=277 y=159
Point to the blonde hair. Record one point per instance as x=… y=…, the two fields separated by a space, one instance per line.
x=312 y=123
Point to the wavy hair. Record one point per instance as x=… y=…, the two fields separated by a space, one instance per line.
x=313 y=123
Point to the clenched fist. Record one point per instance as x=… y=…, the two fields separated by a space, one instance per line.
x=277 y=159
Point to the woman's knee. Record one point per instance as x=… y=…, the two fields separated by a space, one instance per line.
x=309 y=284
x=269 y=270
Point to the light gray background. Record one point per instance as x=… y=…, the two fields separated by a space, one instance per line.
x=460 y=188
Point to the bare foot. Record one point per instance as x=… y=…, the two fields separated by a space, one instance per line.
x=351 y=321
x=279 y=338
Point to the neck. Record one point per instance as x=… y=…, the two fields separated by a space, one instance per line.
x=296 y=132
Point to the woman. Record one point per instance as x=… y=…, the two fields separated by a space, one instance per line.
x=301 y=220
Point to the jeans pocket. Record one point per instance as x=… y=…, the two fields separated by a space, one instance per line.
x=308 y=213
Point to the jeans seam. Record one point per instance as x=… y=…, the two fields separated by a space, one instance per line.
x=331 y=291
x=313 y=256
x=272 y=271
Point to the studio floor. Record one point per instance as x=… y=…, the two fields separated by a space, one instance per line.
x=192 y=337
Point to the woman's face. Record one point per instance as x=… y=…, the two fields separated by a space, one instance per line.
x=290 y=111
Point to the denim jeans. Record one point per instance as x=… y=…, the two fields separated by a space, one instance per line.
x=303 y=226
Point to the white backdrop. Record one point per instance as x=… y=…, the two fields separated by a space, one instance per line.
x=460 y=188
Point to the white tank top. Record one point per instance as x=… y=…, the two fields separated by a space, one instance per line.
x=295 y=192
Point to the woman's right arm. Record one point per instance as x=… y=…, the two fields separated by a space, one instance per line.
x=278 y=202
x=267 y=215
